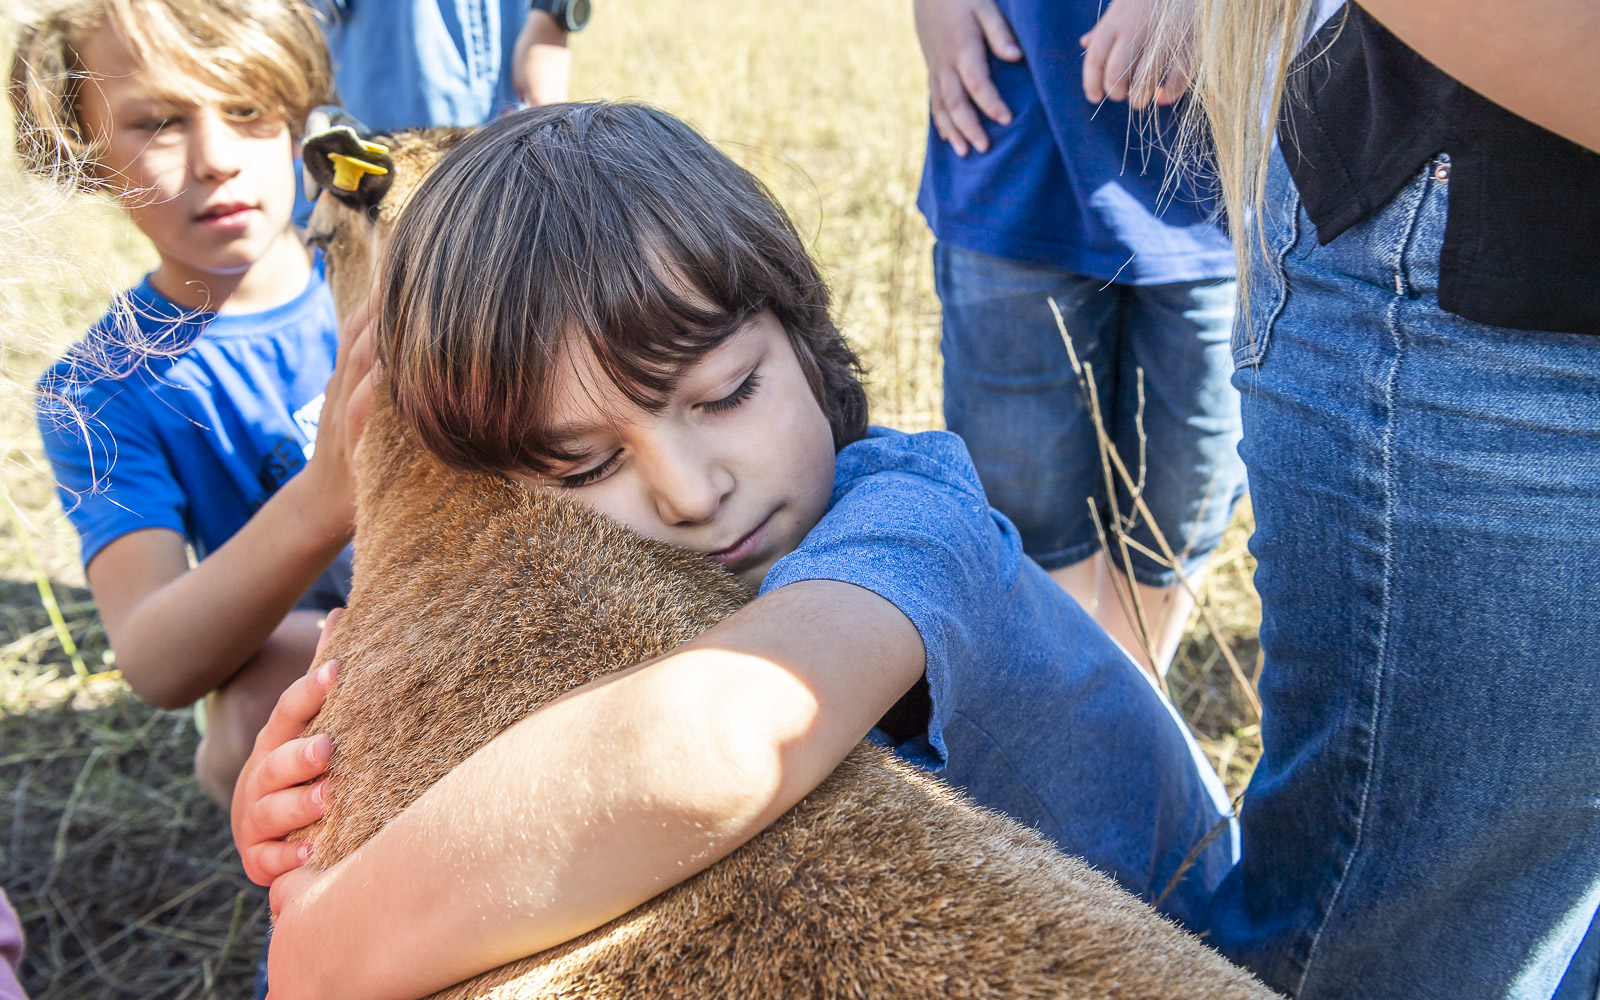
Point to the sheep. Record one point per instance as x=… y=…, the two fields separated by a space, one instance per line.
x=477 y=600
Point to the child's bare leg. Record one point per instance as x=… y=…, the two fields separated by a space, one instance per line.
x=1081 y=582
x=236 y=711
x=1166 y=610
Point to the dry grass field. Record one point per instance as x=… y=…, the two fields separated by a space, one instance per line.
x=124 y=873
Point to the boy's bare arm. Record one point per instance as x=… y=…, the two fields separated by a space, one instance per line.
x=586 y=809
x=1537 y=58
x=179 y=632
x=541 y=65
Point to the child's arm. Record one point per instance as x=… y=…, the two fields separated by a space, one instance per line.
x=541 y=65
x=685 y=758
x=180 y=632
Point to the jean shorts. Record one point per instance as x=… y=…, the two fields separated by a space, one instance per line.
x=1010 y=391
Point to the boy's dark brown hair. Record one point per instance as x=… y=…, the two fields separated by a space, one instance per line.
x=268 y=54
x=613 y=226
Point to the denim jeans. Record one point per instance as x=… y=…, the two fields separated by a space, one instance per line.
x=1010 y=392
x=1425 y=820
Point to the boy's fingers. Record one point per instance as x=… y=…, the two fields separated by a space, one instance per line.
x=1145 y=80
x=959 y=111
x=1119 y=67
x=943 y=120
x=273 y=858
x=977 y=82
x=297 y=706
x=998 y=33
x=1172 y=88
x=281 y=813
x=290 y=766
x=1094 y=66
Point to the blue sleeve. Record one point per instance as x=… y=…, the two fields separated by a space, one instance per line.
x=908 y=521
x=111 y=473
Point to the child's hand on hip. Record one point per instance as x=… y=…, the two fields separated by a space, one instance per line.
x=957 y=37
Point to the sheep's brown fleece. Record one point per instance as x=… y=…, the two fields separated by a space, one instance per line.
x=476 y=601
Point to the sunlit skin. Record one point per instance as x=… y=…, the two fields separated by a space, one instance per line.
x=706 y=472
x=209 y=180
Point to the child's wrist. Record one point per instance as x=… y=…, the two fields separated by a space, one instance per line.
x=328 y=523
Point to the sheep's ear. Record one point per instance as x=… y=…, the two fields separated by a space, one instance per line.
x=340 y=158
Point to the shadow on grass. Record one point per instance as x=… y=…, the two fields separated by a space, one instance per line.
x=123 y=872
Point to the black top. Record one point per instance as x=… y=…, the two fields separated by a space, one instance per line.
x=1522 y=235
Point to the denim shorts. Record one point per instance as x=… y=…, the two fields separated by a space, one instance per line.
x=1010 y=392
x=1425 y=820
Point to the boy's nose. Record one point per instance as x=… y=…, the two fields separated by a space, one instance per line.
x=215 y=152
x=689 y=488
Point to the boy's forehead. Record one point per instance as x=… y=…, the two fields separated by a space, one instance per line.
x=116 y=71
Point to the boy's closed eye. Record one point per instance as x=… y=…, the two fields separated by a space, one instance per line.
x=746 y=388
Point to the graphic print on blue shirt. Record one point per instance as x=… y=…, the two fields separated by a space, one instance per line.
x=167 y=418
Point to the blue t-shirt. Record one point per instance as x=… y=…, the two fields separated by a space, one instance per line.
x=167 y=418
x=1034 y=710
x=1070 y=184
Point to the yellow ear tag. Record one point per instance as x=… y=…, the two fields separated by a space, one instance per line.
x=348 y=171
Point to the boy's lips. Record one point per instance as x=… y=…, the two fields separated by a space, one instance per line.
x=226 y=215
x=741 y=550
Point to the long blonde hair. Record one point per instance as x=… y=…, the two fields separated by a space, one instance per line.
x=1240 y=52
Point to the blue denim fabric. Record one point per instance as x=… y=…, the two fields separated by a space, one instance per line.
x=413 y=63
x=1010 y=392
x=1425 y=820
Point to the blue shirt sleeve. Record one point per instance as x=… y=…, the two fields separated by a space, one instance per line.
x=1032 y=709
x=908 y=520
x=110 y=482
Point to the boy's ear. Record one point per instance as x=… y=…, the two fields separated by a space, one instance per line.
x=339 y=157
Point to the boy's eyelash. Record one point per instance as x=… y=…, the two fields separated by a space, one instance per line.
x=588 y=476
x=746 y=389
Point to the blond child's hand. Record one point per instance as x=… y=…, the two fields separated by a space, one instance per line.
x=1121 y=64
x=957 y=37
x=273 y=798
x=346 y=402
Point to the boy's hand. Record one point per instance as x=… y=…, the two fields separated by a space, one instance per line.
x=272 y=799
x=346 y=402
x=956 y=38
x=1119 y=64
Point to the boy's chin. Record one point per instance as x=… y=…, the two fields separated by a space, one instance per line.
x=751 y=576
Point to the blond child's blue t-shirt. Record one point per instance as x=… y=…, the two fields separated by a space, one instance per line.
x=1028 y=704
x=163 y=417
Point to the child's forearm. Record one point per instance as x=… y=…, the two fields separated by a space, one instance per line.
x=179 y=632
x=1539 y=58
x=603 y=799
